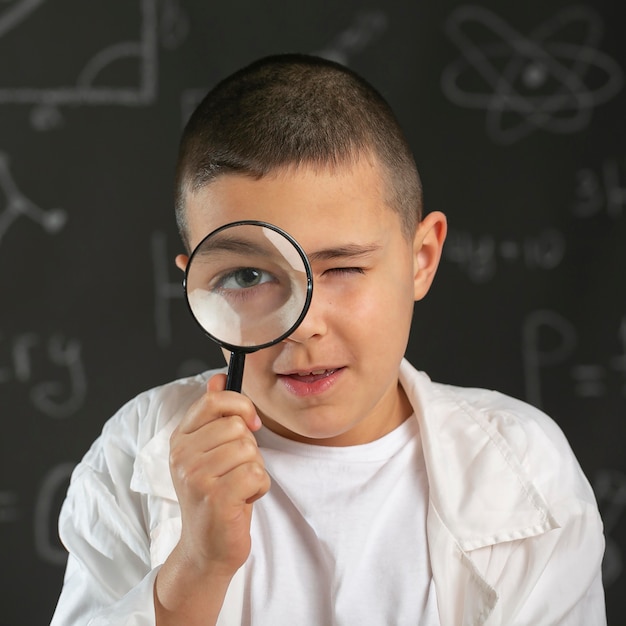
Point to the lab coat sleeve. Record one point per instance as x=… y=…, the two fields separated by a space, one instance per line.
x=109 y=579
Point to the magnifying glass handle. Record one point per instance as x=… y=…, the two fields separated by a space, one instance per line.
x=235 y=371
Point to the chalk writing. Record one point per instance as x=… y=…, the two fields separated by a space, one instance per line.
x=478 y=255
x=165 y=290
x=550 y=340
x=51 y=492
x=366 y=27
x=533 y=82
x=85 y=90
x=29 y=353
x=610 y=489
x=600 y=192
x=18 y=205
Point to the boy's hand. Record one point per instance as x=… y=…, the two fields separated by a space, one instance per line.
x=218 y=472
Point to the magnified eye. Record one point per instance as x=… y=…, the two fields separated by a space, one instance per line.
x=244 y=278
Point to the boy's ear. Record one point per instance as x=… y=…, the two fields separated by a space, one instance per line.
x=181 y=261
x=427 y=246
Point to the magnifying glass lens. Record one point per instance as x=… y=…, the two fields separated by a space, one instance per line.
x=248 y=285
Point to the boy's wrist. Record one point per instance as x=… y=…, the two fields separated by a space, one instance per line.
x=189 y=594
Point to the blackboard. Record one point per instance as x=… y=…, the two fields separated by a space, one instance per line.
x=516 y=113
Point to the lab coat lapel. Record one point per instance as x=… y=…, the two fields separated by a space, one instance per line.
x=480 y=495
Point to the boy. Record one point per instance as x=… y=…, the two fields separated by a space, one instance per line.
x=342 y=486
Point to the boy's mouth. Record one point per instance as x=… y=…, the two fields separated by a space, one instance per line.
x=314 y=375
x=310 y=382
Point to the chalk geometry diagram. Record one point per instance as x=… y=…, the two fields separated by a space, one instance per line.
x=85 y=90
x=546 y=80
x=17 y=204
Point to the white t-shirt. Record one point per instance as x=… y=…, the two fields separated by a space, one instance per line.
x=340 y=539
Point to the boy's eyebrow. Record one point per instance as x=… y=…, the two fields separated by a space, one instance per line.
x=347 y=251
x=232 y=244
x=245 y=247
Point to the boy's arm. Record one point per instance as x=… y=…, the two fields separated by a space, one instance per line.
x=218 y=472
x=109 y=580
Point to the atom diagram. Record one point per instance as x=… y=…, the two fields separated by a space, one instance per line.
x=18 y=205
x=547 y=80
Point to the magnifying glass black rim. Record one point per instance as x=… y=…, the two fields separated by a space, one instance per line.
x=309 y=286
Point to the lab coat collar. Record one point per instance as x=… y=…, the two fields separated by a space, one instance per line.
x=464 y=451
x=479 y=493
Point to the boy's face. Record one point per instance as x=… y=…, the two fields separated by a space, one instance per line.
x=334 y=381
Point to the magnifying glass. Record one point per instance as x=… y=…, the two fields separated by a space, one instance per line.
x=248 y=285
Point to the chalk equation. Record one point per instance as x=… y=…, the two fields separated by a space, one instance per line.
x=600 y=192
x=51 y=368
x=550 y=340
x=47 y=506
x=47 y=502
x=479 y=255
x=17 y=205
x=545 y=80
x=91 y=85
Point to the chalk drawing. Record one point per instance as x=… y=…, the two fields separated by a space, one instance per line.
x=549 y=340
x=85 y=91
x=52 y=489
x=366 y=27
x=600 y=192
x=16 y=14
x=18 y=205
x=610 y=489
x=530 y=82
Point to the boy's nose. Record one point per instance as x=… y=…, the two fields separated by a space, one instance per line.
x=314 y=322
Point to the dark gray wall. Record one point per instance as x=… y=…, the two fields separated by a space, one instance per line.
x=517 y=119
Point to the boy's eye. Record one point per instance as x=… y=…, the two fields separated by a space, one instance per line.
x=345 y=270
x=244 y=278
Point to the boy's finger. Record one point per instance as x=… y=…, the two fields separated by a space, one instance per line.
x=217 y=383
x=216 y=404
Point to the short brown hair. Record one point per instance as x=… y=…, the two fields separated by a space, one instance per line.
x=293 y=110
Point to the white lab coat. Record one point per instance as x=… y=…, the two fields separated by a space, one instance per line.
x=514 y=534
